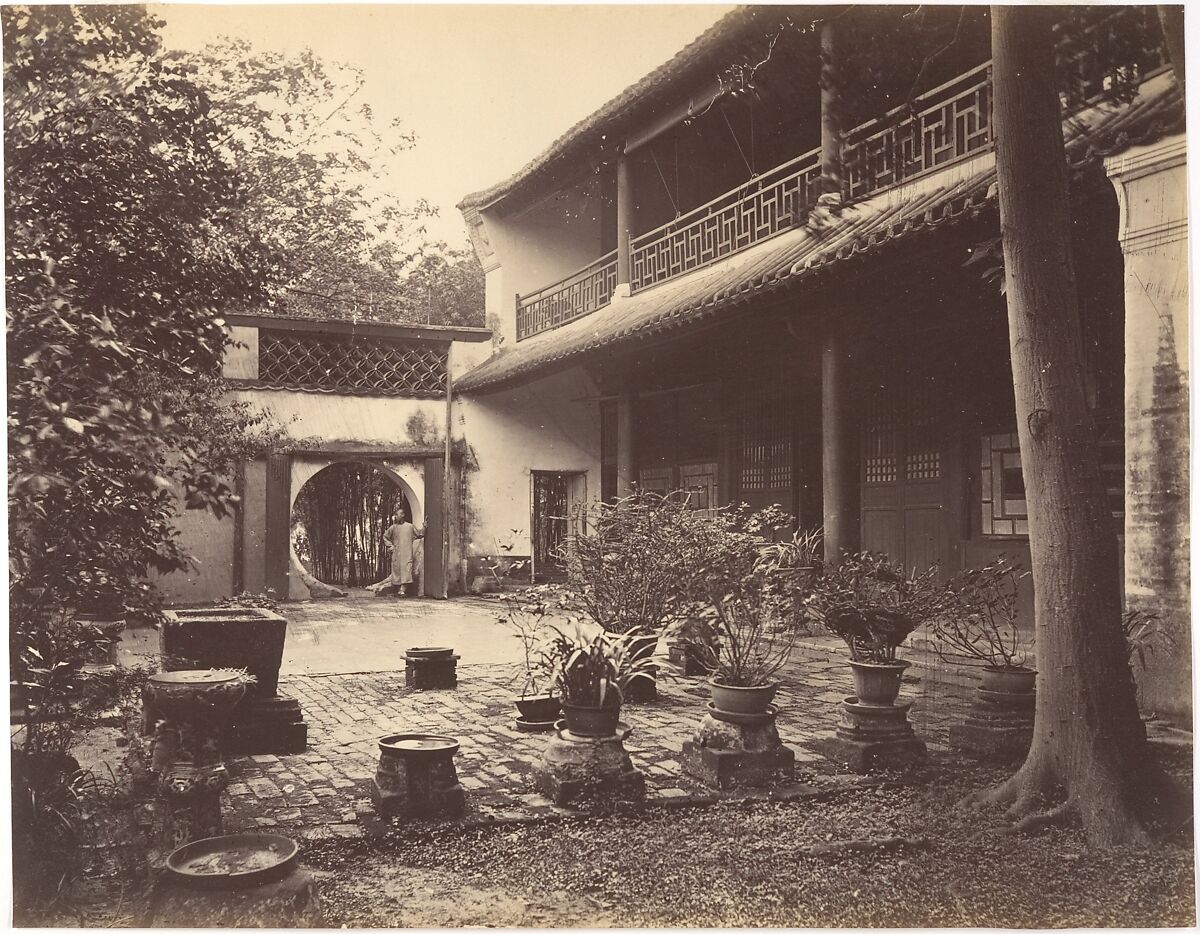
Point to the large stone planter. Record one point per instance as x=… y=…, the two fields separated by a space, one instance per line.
x=247 y=638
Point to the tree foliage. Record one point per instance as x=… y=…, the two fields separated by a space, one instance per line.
x=126 y=238
x=321 y=188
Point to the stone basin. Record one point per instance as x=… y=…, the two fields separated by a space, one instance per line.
x=418 y=744
x=186 y=694
x=233 y=860
x=429 y=652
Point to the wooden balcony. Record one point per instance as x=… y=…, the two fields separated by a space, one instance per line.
x=569 y=298
x=949 y=124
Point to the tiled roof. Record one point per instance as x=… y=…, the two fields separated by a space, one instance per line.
x=633 y=105
x=796 y=256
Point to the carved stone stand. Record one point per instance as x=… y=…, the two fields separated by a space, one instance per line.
x=873 y=736
x=575 y=767
x=191 y=710
x=416 y=777
x=430 y=669
x=737 y=750
x=241 y=637
x=998 y=726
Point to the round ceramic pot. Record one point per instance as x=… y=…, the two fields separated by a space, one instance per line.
x=878 y=685
x=539 y=709
x=591 y=721
x=751 y=700
x=1017 y=680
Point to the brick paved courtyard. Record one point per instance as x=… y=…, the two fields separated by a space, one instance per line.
x=326 y=789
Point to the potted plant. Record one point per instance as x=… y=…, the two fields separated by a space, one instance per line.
x=873 y=606
x=528 y=613
x=593 y=671
x=742 y=608
x=794 y=564
x=628 y=567
x=980 y=625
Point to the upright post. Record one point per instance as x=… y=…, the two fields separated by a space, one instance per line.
x=837 y=483
x=831 y=125
x=626 y=456
x=625 y=206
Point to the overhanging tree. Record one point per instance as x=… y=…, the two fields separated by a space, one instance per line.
x=125 y=241
x=1088 y=756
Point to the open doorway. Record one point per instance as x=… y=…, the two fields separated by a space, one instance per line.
x=556 y=496
x=338 y=522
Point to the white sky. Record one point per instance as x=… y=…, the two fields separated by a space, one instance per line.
x=485 y=88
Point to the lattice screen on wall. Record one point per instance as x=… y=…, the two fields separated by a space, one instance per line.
x=766 y=457
x=359 y=364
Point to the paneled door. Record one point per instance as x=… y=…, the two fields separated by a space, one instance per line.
x=902 y=474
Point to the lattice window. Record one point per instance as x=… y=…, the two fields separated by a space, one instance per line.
x=879 y=432
x=1002 y=486
x=766 y=462
x=371 y=365
x=923 y=459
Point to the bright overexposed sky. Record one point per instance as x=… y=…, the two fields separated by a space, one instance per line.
x=484 y=87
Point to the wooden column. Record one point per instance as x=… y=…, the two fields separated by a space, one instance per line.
x=831 y=124
x=279 y=524
x=626 y=456
x=838 y=476
x=624 y=221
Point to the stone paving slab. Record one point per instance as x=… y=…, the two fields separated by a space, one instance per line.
x=326 y=789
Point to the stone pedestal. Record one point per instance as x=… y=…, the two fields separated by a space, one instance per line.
x=998 y=726
x=430 y=669
x=737 y=750
x=416 y=777
x=190 y=710
x=689 y=658
x=874 y=737
x=266 y=722
x=575 y=768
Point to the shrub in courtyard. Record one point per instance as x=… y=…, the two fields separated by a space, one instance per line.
x=873 y=605
x=980 y=618
x=627 y=561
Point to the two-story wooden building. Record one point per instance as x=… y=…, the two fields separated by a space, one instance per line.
x=739 y=278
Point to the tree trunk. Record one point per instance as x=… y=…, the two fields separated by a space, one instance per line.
x=1089 y=753
x=1170 y=17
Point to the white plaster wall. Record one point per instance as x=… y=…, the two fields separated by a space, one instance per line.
x=209 y=541
x=550 y=424
x=325 y=417
x=1151 y=184
x=538 y=246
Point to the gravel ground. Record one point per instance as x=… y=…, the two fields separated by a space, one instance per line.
x=743 y=865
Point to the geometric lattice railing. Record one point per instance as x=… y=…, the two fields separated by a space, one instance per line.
x=948 y=124
x=578 y=294
x=375 y=365
x=751 y=213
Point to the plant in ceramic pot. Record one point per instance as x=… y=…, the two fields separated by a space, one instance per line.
x=979 y=625
x=743 y=608
x=593 y=671
x=529 y=613
x=873 y=606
